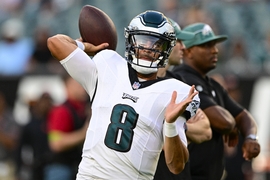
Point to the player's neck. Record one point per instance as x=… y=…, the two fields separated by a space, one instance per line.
x=147 y=77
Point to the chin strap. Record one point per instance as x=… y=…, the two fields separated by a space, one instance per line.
x=151 y=67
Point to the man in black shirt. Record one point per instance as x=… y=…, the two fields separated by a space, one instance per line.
x=226 y=116
x=198 y=127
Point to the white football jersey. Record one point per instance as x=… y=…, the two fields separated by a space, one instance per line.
x=125 y=135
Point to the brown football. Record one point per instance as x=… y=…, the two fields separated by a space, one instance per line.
x=96 y=27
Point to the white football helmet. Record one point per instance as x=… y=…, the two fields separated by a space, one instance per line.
x=152 y=33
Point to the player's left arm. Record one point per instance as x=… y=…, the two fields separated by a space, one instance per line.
x=176 y=153
x=247 y=126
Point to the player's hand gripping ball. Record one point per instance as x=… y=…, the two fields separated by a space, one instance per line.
x=96 y=27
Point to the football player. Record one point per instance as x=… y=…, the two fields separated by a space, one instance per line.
x=134 y=114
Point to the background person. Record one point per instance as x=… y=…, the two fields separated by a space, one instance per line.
x=66 y=128
x=9 y=134
x=226 y=116
x=34 y=136
x=198 y=127
x=15 y=48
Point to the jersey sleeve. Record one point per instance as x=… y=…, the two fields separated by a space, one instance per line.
x=192 y=107
x=83 y=69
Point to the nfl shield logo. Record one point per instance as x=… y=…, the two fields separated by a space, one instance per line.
x=136 y=85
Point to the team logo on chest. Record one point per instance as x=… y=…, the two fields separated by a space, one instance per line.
x=132 y=98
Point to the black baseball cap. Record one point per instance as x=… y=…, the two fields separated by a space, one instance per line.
x=203 y=34
x=181 y=34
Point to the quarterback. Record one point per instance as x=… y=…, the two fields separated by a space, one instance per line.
x=134 y=114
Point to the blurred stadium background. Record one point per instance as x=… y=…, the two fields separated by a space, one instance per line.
x=27 y=69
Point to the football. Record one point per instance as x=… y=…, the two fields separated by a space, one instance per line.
x=96 y=27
